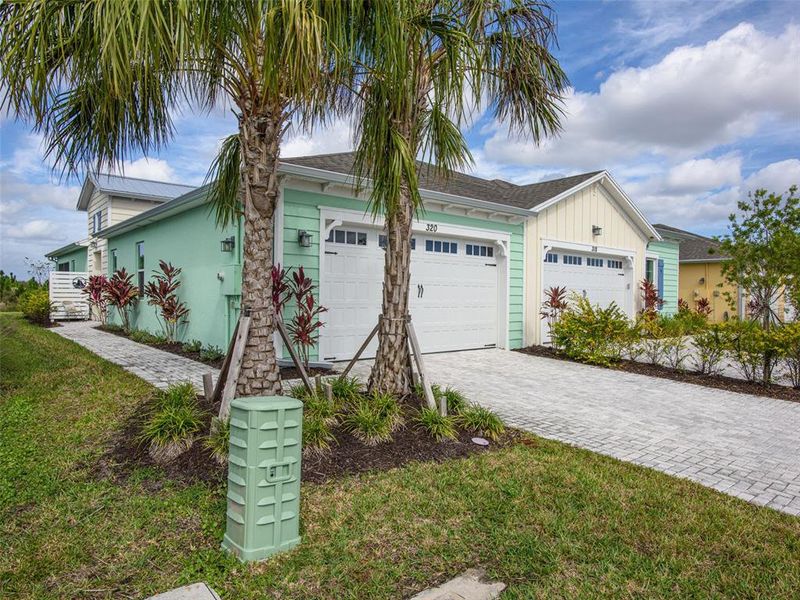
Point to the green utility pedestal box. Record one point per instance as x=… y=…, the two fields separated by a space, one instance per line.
x=263 y=515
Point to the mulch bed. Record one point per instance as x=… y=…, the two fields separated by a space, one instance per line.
x=177 y=348
x=721 y=382
x=347 y=456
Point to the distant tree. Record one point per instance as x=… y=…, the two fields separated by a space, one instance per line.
x=38 y=269
x=763 y=250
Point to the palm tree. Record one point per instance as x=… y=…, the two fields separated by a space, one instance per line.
x=102 y=80
x=423 y=64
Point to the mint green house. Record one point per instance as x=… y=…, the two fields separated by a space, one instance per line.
x=72 y=257
x=467 y=260
x=483 y=252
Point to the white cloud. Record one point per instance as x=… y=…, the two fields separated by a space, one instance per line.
x=776 y=177
x=694 y=99
x=156 y=169
x=704 y=174
x=337 y=136
x=37 y=230
x=14 y=190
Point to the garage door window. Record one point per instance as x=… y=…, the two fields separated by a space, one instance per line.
x=383 y=241
x=441 y=246
x=614 y=264
x=594 y=262
x=478 y=250
x=343 y=236
x=551 y=258
x=572 y=260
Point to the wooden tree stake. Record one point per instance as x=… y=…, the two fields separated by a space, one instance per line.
x=295 y=358
x=423 y=377
x=361 y=349
x=229 y=391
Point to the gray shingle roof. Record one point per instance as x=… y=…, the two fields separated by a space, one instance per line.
x=691 y=246
x=459 y=184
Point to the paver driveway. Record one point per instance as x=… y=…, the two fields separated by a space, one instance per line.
x=744 y=445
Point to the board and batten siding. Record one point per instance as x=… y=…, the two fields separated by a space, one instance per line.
x=571 y=221
x=301 y=210
x=668 y=252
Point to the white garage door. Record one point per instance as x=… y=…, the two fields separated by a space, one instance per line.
x=601 y=279
x=453 y=294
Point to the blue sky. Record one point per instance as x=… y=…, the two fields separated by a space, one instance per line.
x=688 y=104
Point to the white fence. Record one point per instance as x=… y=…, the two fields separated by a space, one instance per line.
x=66 y=295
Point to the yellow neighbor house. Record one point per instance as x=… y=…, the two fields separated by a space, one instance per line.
x=700 y=274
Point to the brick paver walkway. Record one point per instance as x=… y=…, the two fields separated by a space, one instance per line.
x=743 y=445
x=154 y=366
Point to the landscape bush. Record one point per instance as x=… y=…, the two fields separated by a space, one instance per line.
x=120 y=292
x=317 y=434
x=787 y=340
x=373 y=419
x=439 y=426
x=174 y=423
x=211 y=353
x=754 y=351
x=218 y=439
x=193 y=346
x=481 y=421
x=591 y=334
x=144 y=337
x=161 y=293
x=36 y=306
x=710 y=348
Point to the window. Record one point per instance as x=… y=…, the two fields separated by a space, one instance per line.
x=479 y=250
x=594 y=262
x=343 y=236
x=63 y=266
x=551 y=258
x=140 y=264
x=97 y=221
x=113 y=260
x=441 y=246
x=572 y=260
x=649 y=270
x=383 y=240
x=614 y=264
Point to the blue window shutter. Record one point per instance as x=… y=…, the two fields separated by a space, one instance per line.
x=661 y=278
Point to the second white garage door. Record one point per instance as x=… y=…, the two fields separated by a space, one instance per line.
x=601 y=279
x=453 y=294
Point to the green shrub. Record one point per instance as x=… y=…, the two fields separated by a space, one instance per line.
x=688 y=322
x=787 y=340
x=753 y=350
x=218 y=439
x=345 y=388
x=36 y=306
x=456 y=401
x=372 y=419
x=143 y=337
x=193 y=346
x=211 y=353
x=591 y=334
x=172 y=426
x=299 y=391
x=439 y=426
x=317 y=434
x=113 y=327
x=320 y=406
x=481 y=421
x=710 y=348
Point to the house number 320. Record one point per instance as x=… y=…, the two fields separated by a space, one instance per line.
x=431 y=227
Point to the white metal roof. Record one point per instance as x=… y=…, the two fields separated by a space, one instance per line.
x=130 y=187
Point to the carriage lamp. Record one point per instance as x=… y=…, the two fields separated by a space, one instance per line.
x=304 y=238
x=596 y=230
x=228 y=244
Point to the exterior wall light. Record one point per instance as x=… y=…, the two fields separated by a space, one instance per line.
x=596 y=230
x=304 y=238
x=228 y=244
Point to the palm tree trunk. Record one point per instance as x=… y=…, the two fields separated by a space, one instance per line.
x=260 y=139
x=391 y=370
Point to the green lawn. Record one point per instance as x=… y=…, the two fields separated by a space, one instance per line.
x=548 y=519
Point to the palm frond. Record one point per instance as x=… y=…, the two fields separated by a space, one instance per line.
x=224 y=176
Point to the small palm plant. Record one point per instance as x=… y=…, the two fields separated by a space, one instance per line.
x=121 y=293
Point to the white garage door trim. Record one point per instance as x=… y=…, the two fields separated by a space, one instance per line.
x=628 y=256
x=331 y=217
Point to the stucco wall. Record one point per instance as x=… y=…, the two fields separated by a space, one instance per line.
x=704 y=280
x=191 y=241
x=79 y=256
x=571 y=220
x=667 y=251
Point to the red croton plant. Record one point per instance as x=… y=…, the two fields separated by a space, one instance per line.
x=305 y=323
x=555 y=303
x=120 y=292
x=95 y=291
x=651 y=301
x=160 y=292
